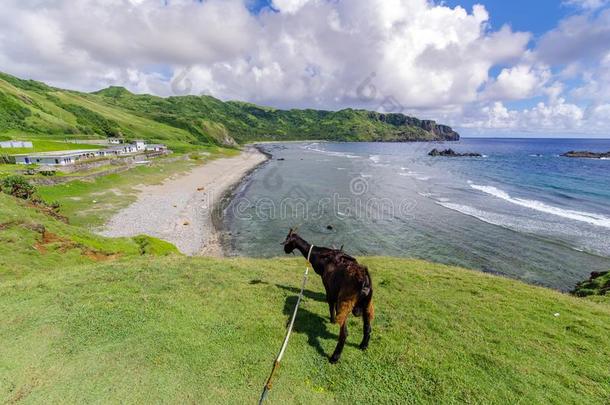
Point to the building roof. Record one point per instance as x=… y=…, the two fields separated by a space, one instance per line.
x=59 y=153
x=119 y=147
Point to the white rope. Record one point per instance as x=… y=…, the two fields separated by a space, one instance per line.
x=288 y=332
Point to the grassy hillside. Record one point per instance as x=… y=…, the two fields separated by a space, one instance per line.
x=33 y=109
x=107 y=320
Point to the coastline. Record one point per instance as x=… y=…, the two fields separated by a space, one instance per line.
x=182 y=210
x=223 y=237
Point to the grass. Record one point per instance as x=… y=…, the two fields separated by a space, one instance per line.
x=23 y=248
x=141 y=324
x=206 y=331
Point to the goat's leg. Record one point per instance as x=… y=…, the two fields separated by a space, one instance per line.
x=344 y=307
x=332 y=308
x=340 y=344
x=366 y=330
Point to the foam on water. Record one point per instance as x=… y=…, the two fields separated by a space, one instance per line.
x=582 y=216
x=311 y=147
x=485 y=216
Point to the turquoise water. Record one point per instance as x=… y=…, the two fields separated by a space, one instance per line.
x=521 y=210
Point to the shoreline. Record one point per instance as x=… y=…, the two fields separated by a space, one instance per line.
x=224 y=239
x=182 y=210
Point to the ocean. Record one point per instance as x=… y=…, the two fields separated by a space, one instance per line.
x=521 y=210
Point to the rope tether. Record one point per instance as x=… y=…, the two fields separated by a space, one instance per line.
x=276 y=363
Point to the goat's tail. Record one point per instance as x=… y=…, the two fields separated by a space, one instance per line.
x=365 y=300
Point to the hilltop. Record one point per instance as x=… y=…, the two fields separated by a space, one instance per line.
x=36 y=109
x=131 y=320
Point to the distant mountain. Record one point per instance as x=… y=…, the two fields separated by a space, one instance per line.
x=34 y=108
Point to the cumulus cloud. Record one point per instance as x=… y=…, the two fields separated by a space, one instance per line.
x=518 y=82
x=289 y=6
x=413 y=56
x=587 y=4
x=556 y=116
x=311 y=51
x=577 y=38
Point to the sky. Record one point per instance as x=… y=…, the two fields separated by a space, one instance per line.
x=488 y=68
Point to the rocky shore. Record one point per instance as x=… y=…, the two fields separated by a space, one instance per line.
x=587 y=154
x=452 y=153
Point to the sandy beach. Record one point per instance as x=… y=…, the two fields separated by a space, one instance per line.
x=180 y=210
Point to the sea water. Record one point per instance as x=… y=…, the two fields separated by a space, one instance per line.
x=521 y=210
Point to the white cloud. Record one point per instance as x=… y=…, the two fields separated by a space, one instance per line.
x=577 y=38
x=518 y=82
x=556 y=116
x=312 y=52
x=595 y=85
x=415 y=56
x=587 y=4
x=289 y=6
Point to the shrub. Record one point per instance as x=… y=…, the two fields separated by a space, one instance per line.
x=18 y=186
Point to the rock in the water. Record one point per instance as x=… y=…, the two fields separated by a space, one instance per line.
x=329 y=227
x=587 y=154
x=452 y=153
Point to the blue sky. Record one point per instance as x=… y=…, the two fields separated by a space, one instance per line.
x=537 y=68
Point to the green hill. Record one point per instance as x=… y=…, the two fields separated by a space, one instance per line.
x=34 y=109
x=90 y=319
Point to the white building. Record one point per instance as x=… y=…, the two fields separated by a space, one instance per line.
x=16 y=144
x=116 y=150
x=140 y=144
x=59 y=158
x=156 y=147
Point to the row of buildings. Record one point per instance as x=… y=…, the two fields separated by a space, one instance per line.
x=68 y=157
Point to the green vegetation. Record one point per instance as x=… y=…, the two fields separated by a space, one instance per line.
x=91 y=122
x=31 y=240
x=17 y=186
x=92 y=319
x=31 y=109
x=598 y=284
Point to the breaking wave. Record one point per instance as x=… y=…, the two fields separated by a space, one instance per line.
x=582 y=216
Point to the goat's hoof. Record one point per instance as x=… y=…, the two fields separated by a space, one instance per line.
x=333 y=359
x=363 y=346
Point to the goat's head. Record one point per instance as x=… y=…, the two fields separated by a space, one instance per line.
x=290 y=241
